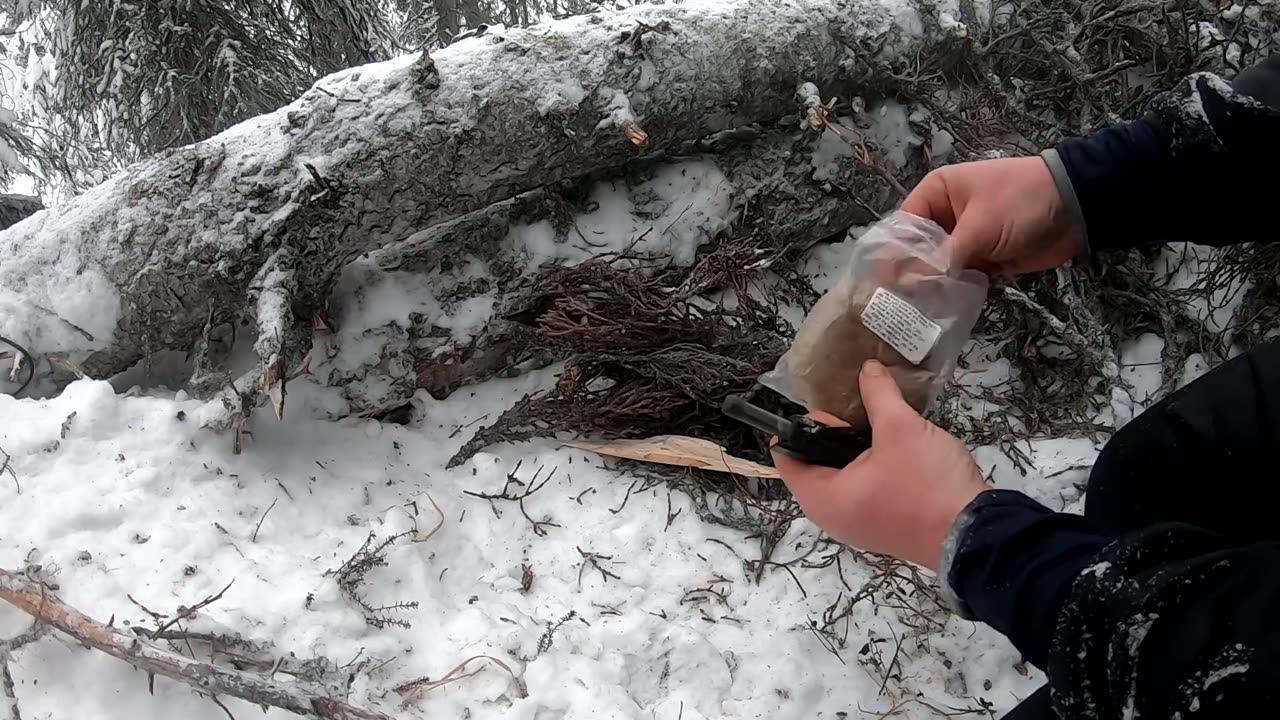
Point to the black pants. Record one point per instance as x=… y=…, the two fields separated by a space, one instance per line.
x=1205 y=455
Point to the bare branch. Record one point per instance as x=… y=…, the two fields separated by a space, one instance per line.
x=33 y=598
x=415 y=689
x=185 y=612
x=4 y=467
x=264 y=517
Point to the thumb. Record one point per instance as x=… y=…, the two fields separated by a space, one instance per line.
x=806 y=482
x=931 y=200
x=881 y=396
x=968 y=243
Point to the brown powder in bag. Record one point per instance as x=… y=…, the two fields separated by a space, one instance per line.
x=829 y=350
x=900 y=275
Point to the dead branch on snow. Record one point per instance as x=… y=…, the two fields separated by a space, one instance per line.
x=28 y=594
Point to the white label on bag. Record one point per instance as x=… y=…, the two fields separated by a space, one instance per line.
x=898 y=323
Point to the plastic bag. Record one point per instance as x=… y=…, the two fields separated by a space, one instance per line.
x=900 y=301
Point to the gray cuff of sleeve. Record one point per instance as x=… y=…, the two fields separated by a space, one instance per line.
x=1069 y=199
x=950 y=547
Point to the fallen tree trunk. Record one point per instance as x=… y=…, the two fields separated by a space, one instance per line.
x=257 y=222
x=789 y=190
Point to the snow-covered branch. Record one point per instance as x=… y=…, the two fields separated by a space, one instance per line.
x=29 y=595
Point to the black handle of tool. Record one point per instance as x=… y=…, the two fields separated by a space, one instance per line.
x=829 y=445
x=801 y=437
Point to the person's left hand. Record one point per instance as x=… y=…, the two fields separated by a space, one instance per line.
x=901 y=496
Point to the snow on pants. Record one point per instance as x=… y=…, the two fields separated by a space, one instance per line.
x=1206 y=455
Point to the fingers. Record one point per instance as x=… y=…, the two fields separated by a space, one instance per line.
x=931 y=199
x=805 y=481
x=966 y=243
x=881 y=396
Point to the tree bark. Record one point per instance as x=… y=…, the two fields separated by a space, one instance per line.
x=777 y=201
x=446 y=20
x=16 y=208
x=473 y=14
x=255 y=223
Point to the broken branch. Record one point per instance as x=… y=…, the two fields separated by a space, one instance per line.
x=33 y=598
x=184 y=612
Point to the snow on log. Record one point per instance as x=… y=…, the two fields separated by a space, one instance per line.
x=159 y=256
x=433 y=311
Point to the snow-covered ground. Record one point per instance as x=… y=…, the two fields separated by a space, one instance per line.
x=130 y=499
x=124 y=495
x=607 y=601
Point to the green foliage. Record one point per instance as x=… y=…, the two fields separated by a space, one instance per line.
x=135 y=78
x=91 y=85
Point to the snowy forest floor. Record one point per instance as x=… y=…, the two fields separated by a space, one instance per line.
x=541 y=582
x=606 y=594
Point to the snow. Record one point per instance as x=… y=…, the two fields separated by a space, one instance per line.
x=1223 y=673
x=1057 y=476
x=561 y=97
x=381 y=311
x=941 y=145
x=167 y=514
x=1184 y=264
x=672 y=214
x=828 y=152
x=1137 y=357
x=885 y=123
x=135 y=500
x=383 y=298
x=892 y=132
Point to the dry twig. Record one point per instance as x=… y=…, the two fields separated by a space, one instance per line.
x=351 y=576
x=258 y=527
x=415 y=689
x=186 y=612
x=5 y=467
x=34 y=598
x=507 y=494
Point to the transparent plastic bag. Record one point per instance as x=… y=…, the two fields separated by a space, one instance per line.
x=900 y=301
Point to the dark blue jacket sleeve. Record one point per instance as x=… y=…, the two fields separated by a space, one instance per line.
x=1173 y=621
x=1196 y=168
x=1011 y=563
x=1169 y=621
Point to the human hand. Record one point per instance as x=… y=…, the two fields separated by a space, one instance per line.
x=1005 y=216
x=901 y=496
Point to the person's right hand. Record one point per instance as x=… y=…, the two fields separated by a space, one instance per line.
x=902 y=496
x=1005 y=216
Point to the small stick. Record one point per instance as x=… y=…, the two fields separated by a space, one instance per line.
x=258 y=527
x=439 y=525
x=415 y=689
x=458 y=430
x=184 y=613
x=6 y=468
